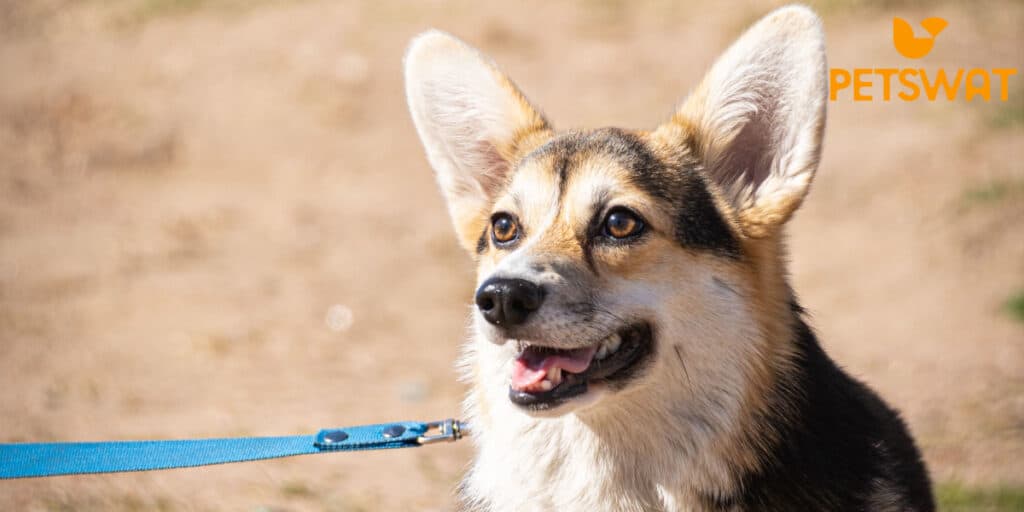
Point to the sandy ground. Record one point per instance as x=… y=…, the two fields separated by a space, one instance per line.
x=216 y=220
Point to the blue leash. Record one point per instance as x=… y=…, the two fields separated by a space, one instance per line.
x=27 y=460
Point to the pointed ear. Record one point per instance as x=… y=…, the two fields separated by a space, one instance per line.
x=474 y=123
x=756 y=120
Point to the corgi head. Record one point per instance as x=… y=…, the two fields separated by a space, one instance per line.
x=615 y=266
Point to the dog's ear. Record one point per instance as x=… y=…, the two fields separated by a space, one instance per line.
x=756 y=120
x=473 y=121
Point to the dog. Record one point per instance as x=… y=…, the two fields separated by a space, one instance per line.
x=635 y=343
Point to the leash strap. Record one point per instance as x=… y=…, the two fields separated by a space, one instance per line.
x=27 y=460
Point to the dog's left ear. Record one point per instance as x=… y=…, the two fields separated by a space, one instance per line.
x=756 y=121
x=474 y=123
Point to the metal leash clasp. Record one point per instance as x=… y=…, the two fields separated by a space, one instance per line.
x=449 y=430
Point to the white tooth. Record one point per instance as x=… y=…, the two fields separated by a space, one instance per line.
x=602 y=352
x=613 y=343
x=554 y=375
x=545 y=385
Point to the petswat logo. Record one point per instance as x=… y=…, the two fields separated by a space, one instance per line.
x=915 y=47
x=908 y=84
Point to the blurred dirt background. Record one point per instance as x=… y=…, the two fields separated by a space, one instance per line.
x=216 y=220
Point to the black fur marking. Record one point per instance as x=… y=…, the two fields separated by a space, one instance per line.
x=837 y=444
x=587 y=237
x=562 y=165
x=561 y=150
x=481 y=243
x=587 y=246
x=649 y=173
x=699 y=224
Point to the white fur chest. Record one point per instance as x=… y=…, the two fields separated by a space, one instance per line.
x=562 y=464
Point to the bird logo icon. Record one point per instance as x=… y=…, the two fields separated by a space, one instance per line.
x=913 y=47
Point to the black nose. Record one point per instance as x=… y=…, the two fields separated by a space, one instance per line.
x=508 y=301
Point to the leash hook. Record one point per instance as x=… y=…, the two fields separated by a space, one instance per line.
x=449 y=430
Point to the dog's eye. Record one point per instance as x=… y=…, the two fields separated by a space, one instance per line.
x=622 y=223
x=504 y=229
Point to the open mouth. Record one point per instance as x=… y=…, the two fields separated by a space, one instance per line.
x=544 y=377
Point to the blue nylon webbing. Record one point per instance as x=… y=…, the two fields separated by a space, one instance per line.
x=24 y=460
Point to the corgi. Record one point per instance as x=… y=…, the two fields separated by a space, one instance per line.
x=635 y=342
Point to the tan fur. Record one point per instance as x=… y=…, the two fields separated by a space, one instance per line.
x=684 y=430
x=496 y=125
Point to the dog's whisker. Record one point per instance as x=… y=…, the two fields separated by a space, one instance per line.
x=679 y=354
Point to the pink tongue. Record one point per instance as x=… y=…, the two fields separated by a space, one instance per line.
x=532 y=365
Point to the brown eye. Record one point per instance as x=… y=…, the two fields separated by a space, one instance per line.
x=622 y=223
x=504 y=229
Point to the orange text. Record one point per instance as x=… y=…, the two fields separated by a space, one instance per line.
x=908 y=84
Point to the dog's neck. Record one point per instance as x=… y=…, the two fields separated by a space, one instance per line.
x=659 y=453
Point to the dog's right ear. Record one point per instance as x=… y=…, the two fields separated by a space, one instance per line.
x=756 y=121
x=474 y=123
